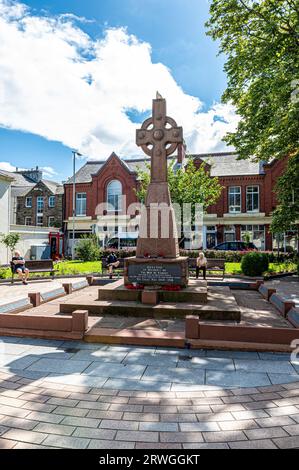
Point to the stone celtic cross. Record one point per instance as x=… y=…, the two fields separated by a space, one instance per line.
x=159 y=137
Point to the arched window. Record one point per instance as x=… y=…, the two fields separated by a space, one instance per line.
x=114 y=196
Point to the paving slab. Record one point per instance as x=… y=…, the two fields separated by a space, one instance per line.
x=236 y=379
x=171 y=406
x=110 y=370
x=59 y=365
x=274 y=367
x=174 y=375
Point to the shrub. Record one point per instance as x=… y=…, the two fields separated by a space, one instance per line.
x=87 y=249
x=254 y=263
x=3 y=273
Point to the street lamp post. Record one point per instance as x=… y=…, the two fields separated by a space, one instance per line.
x=75 y=153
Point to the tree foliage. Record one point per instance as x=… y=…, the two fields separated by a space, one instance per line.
x=188 y=184
x=10 y=240
x=287 y=210
x=261 y=41
x=87 y=249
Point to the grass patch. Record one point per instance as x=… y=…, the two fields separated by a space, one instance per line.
x=78 y=267
x=65 y=268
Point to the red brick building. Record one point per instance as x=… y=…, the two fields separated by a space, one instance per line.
x=245 y=206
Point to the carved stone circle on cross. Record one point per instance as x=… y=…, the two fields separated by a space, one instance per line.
x=159 y=137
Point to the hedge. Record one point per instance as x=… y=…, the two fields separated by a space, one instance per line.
x=229 y=256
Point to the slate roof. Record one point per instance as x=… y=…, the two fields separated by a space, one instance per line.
x=6 y=175
x=22 y=185
x=222 y=164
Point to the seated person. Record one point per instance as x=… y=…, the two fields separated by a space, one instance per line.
x=201 y=265
x=112 y=262
x=19 y=267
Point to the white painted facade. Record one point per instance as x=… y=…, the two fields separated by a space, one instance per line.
x=30 y=236
x=5 y=201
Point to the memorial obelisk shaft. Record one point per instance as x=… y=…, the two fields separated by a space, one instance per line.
x=157 y=247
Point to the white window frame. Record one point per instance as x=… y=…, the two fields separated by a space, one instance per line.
x=251 y=195
x=51 y=198
x=28 y=206
x=229 y=232
x=51 y=217
x=114 y=201
x=234 y=208
x=39 y=209
x=81 y=197
x=252 y=230
x=37 y=223
x=26 y=218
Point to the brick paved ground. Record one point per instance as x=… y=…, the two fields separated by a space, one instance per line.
x=78 y=395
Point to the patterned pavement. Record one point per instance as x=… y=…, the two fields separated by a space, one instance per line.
x=56 y=394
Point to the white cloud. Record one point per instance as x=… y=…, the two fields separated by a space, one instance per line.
x=6 y=166
x=57 y=82
x=48 y=172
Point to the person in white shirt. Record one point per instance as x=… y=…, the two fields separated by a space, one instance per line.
x=201 y=265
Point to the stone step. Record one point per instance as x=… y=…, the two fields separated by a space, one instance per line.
x=196 y=292
x=238 y=346
x=135 y=337
x=213 y=310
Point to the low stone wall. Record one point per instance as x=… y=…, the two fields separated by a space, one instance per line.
x=283 y=306
x=293 y=317
x=60 y=327
x=247 y=334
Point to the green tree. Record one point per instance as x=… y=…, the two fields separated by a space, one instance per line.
x=287 y=210
x=260 y=40
x=87 y=249
x=187 y=185
x=10 y=240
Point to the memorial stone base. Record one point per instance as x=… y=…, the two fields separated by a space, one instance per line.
x=156 y=272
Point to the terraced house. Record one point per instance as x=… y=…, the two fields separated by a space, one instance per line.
x=36 y=201
x=244 y=208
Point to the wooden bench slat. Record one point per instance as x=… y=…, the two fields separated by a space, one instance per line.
x=213 y=265
x=36 y=266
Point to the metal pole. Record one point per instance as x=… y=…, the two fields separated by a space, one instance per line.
x=74 y=202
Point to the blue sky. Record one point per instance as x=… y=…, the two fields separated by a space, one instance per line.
x=176 y=33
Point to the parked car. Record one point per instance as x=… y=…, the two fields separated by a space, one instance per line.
x=123 y=241
x=236 y=246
